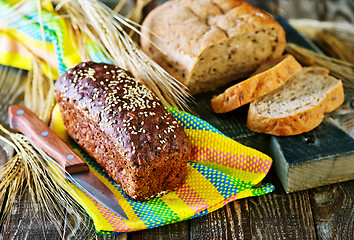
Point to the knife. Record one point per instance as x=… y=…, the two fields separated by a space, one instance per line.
x=77 y=171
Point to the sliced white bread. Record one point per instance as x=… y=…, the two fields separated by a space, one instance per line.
x=299 y=105
x=269 y=76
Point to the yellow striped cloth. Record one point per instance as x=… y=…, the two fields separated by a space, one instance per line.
x=220 y=171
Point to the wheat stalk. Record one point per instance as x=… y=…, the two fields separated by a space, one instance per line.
x=136 y=15
x=336 y=44
x=32 y=173
x=101 y=24
x=338 y=68
x=12 y=87
x=336 y=39
x=39 y=93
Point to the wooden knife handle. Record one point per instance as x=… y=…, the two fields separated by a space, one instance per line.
x=25 y=121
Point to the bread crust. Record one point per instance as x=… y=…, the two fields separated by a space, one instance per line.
x=186 y=32
x=285 y=126
x=124 y=127
x=298 y=122
x=268 y=76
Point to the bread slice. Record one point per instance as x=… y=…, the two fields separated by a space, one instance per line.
x=299 y=105
x=206 y=44
x=269 y=76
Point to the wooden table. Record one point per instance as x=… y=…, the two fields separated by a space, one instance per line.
x=322 y=213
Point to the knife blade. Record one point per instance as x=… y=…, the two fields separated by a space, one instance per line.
x=23 y=120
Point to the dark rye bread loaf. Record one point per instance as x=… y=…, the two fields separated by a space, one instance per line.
x=124 y=127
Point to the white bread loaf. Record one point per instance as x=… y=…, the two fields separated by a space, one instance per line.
x=269 y=76
x=297 y=106
x=207 y=43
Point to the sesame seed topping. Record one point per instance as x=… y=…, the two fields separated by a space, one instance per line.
x=121 y=103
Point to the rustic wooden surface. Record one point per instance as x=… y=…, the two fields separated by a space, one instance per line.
x=316 y=158
x=320 y=213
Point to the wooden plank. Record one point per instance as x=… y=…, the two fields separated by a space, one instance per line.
x=25 y=224
x=83 y=228
x=240 y=212
x=79 y=228
x=229 y=222
x=319 y=157
x=171 y=231
x=281 y=216
x=232 y=124
x=3 y=155
x=333 y=210
x=97 y=236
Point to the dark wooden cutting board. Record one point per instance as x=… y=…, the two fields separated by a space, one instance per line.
x=322 y=156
